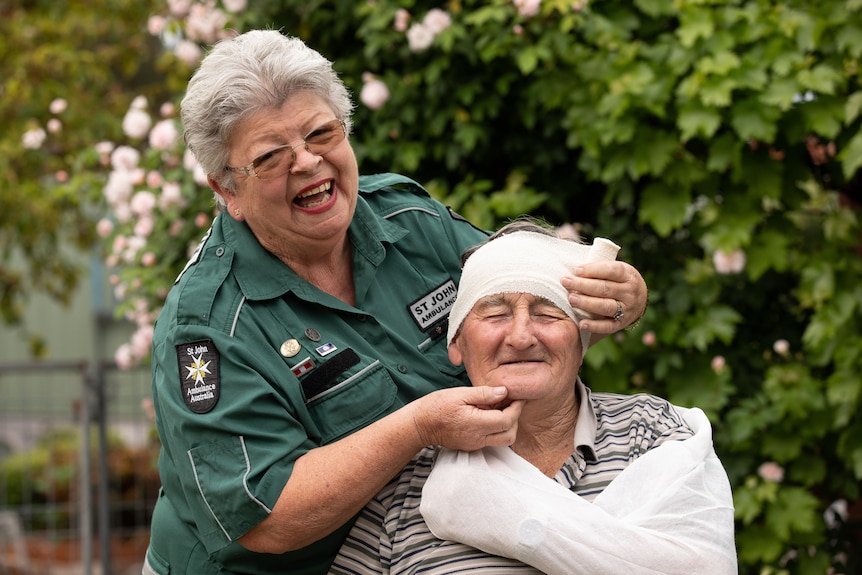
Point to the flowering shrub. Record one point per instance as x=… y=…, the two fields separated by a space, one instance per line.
x=718 y=143
x=153 y=187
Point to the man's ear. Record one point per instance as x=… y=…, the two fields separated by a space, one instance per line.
x=455 y=355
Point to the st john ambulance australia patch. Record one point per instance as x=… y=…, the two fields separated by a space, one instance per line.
x=199 y=374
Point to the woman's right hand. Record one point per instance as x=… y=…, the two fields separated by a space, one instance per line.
x=467 y=418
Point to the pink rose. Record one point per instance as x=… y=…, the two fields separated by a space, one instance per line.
x=164 y=135
x=374 y=94
x=419 y=37
x=437 y=20
x=33 y=139
x=58 y=106
x=527 y=8
x=136 y=123
x=728 y=262
x=402 y=19
x=104 y=227
x=771 y=471
x=188 y=52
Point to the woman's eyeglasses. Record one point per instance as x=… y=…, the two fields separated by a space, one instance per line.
x=278 y=161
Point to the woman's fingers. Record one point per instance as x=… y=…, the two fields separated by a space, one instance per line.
x=614 y=292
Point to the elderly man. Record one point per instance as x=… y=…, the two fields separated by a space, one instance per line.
x=594 y=483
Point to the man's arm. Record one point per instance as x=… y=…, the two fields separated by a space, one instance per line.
x=330 y=484
x=670 y=512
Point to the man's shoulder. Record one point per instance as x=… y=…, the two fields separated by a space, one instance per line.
x=620 y=407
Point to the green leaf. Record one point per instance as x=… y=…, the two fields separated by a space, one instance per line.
x=822 y=79
x=527 y=59
x=853 y=107
x=652 y=152
x=824 y=116
x=697 y=121
x=511 y=203
x=849 y=39
x=485 y=15
x=753 y=122
x=655 y=8
x=717 y=92
x=795 y=510
x=851 y=156
x=717 y=322
x=663 y=208
x=780 y=93
x=724 y=152
x=758 y=544
x=694 y=24
x=782 y=447
x=720 y=63
x=770 y=250
x=843 y=391
x=746 y=504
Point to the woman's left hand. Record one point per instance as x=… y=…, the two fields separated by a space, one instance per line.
x=613 y=291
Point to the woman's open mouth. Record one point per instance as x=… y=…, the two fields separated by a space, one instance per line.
x=314 y=197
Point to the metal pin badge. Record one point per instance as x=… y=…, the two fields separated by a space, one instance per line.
x=290 y=348
x=312 y=334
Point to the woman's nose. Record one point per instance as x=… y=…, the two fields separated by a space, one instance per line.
x=304 y=160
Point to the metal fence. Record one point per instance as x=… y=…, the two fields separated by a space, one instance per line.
x=78 y=476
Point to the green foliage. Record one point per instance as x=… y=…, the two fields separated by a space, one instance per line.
x=718 y=142
x=694 y=134
x=67 y=51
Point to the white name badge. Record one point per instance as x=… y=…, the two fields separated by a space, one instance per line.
x=433 y=306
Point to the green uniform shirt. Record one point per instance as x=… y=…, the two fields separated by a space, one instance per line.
x=253 y=366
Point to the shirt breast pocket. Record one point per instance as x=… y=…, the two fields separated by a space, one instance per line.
x=353 y=403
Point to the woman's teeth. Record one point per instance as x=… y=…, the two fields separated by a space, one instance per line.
x=322 y=190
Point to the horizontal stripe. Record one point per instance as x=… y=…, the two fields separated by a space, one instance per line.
x=391 y=537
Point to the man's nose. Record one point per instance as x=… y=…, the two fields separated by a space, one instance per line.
x=522 y=332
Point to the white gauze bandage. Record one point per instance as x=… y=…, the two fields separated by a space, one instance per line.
x=525 y=262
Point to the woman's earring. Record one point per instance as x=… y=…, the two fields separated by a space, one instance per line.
x=236 y=212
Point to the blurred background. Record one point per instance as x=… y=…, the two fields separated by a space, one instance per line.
x=718 y=142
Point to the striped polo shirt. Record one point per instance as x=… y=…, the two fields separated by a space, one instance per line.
x=390 y=535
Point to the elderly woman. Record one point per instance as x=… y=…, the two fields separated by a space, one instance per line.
x=594 y=484
x=300 y=360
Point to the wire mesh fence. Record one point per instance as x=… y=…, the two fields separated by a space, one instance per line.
x=78 y=476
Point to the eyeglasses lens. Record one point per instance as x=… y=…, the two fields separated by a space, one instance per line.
x=319 y=141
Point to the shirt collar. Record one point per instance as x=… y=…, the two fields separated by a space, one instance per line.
x=585 y=428
x=367 y=232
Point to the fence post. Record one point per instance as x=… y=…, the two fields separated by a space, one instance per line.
x=86 y=516
x=100 y=322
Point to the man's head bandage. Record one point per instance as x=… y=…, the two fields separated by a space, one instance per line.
x=525 y=262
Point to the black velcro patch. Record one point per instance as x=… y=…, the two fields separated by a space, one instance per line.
x=199 y=374
x=326 y=375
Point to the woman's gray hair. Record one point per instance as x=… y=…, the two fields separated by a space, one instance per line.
x=241 y=76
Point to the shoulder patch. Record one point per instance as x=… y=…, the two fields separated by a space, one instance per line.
x=199 y=374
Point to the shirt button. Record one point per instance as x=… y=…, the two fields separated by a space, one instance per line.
x=402 y=368
x=219 y=251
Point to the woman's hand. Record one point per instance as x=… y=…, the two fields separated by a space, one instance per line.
x=613 y=291
x=466 y=418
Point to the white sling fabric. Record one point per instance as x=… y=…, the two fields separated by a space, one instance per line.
x=670 y=512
